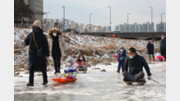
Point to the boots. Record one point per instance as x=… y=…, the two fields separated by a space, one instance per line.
x=31 y=78
x=30 y=84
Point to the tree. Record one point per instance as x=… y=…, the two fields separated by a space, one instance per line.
x=21 y=10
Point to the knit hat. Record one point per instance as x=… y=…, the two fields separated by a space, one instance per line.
x=37 y=23
x=151 y=41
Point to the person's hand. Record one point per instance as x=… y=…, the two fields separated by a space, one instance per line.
x=149 y=77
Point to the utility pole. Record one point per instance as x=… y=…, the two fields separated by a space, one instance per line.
x=110 y=17
x=127 y=28
x=151 y=7
x=90 y=22
x=63 y=18
x=162 y=21
x=46 y=20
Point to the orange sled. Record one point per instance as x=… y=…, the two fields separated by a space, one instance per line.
x=67 y=80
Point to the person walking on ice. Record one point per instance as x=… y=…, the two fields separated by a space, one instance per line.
x=57 y=48
x=150 y=49
x=133 y=68
x=38 y=52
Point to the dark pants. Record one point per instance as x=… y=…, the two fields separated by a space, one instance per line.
x=57 y=63
x=31 y=76
x=81 y=68
x=134 y=78
x=119 y=66
x=151 y=57
x=163 y=53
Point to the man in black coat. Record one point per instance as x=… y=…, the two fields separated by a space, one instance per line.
x=150 y=48
x=38 y=52
x=163 y=46
x=133 y=67
x=56 y=50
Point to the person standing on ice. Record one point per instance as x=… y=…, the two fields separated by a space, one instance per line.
x=38 y=52
x=121 y=55
x=56 y=47
x=133 y=67
x=150 y=49
x=163 y=46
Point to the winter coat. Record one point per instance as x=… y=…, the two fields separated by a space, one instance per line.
x=121 y=57
x=81 y=63
x=61 y=40
x=163 y=44
x=56 y=51
x=135 y=65
x=38 y=63
x=150 y=48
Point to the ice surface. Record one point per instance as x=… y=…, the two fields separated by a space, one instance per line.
x=94 y=86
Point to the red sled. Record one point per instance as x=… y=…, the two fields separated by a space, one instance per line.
x=65 y=80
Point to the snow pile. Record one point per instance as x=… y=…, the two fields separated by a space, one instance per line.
x=97 y=50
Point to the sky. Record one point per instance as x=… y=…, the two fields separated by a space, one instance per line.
x=79 y=10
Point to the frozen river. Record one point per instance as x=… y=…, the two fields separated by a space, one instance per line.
x=94 y=86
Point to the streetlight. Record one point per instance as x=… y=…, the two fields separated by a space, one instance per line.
x=161 y=21
x=46 y=19
x=127 y=21
x=63 y=18
x=151 y=7
x=110 y=17
x=90 y=21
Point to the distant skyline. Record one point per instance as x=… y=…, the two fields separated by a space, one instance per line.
x=78 y=11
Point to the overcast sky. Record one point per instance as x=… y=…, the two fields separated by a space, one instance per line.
x=78 y=10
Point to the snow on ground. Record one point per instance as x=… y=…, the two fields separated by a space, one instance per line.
x=96 y=49
x=94 y=86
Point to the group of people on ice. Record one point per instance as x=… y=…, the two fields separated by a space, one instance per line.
x=129 y=60
x=39 y=52
x=132 y=64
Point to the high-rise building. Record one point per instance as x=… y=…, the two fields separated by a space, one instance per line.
x=161 y=27
x=37 y=7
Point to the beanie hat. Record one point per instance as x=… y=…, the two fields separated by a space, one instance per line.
x=37 y=23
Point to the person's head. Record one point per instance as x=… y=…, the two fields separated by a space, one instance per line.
x=162 y=36
x=37 y=23
x=131 y=52
x=70 y=62
x=54 y=32
x=151 y=41
x=81 y=57
x=121 y=49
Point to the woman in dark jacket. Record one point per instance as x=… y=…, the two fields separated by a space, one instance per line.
x=150 y=48
x=56 y=50
x=38 y=52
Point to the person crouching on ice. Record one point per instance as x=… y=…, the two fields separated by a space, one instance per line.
x=71 y=69
x=55 y=48
x=133 y=68
x=121 y=58
x=81 y=63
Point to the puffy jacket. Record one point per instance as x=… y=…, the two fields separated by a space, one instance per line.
x=135 y=65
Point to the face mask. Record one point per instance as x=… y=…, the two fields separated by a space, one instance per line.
x=130 y=56
x=69 y=64
x=81 y=58
x=54 y=34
